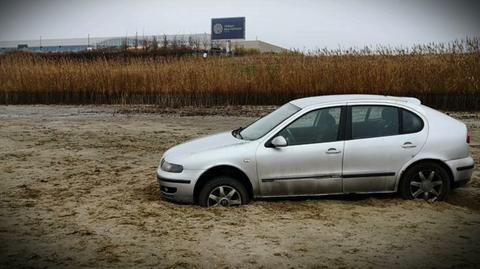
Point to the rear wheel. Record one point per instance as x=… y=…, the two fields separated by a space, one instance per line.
x=427 y=181
x=223 y=191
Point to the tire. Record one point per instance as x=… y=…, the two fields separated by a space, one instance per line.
x=215 y=186
x=418 y=180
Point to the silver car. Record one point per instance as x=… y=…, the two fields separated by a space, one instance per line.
x=339 y=144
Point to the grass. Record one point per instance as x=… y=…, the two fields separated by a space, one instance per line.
x=445 y=76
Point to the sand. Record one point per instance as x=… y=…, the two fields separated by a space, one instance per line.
x=78 y=189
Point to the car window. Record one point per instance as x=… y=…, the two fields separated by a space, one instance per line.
x=411 y=123
x=270 y=121
x=305 y=120
x=360 y=114
x=317 y=126
x=374 y=121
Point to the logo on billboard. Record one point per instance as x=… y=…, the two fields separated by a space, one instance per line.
x=218 y=28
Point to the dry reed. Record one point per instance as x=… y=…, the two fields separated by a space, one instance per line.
x=445 y=76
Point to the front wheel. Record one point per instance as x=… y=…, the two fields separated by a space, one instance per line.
x=428 y=181
x=223 y=191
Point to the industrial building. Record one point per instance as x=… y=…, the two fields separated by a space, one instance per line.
x=261 y=46
x=197 y=41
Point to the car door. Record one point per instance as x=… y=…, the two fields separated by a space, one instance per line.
x=311 y=163
x=378 y=142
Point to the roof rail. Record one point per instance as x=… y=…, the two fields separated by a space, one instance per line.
x=411 y=100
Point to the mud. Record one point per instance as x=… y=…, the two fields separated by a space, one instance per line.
x=77 y=189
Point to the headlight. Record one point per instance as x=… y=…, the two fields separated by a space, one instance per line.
x=171 y=167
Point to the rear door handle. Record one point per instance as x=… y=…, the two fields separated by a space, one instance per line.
x=408 y=145
x=333 y=151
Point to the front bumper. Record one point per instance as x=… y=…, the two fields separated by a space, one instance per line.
x=178 y=187
x=462 y=169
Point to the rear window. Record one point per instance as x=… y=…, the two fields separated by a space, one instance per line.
x=411 y=123
x=374 y=121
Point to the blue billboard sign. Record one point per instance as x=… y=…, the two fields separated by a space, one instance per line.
x=228 y=28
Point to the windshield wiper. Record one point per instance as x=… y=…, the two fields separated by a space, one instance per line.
x=236 y=132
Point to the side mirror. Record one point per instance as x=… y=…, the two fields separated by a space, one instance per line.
x=279 y=142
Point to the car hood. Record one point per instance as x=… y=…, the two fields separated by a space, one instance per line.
x=202 y=144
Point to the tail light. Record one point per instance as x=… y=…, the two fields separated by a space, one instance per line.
x=468 y=137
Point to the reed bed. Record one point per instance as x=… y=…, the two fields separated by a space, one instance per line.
x=445 y=76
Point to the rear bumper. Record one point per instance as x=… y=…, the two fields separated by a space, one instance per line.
x=462 y=169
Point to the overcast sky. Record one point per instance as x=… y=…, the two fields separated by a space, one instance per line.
x=302 y=24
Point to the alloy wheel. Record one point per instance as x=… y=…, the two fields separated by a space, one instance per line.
x=426 y=185
x=224 y=196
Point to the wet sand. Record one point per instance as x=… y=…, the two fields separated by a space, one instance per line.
x=78 y=189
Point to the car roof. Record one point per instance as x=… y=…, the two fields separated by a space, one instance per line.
x=317 y=100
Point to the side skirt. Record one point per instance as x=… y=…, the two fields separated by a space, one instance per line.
x=319 y=195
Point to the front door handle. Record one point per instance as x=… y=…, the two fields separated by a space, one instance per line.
x=333 y=151
x=408 y=145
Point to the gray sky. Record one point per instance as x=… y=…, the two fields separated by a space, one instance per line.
x=302 y=24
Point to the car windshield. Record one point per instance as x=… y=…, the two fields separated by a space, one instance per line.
x=264 y=125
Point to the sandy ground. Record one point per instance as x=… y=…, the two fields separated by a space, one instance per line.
x=77 y=189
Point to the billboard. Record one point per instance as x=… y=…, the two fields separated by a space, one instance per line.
x=228 y=28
